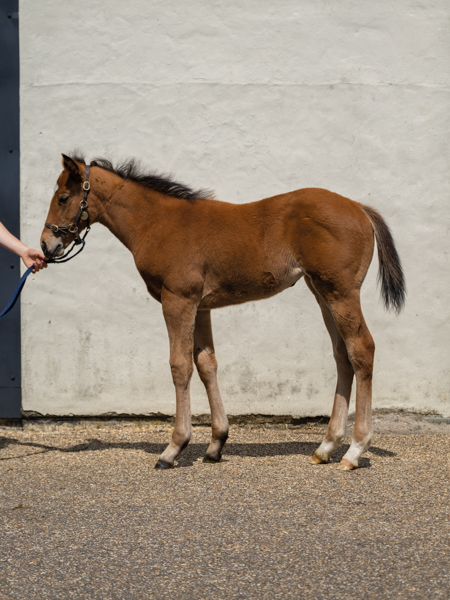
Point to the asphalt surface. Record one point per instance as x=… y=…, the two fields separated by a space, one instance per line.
x=85 y=515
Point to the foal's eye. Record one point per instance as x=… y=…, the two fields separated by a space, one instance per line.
x=63 y=199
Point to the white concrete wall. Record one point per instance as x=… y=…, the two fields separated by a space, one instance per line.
x=251 y=99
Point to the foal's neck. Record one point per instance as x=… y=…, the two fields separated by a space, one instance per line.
x=125 y=207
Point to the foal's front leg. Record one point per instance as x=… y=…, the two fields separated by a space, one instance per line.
x=179 y=314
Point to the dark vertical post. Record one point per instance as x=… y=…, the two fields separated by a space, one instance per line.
x=10 y=359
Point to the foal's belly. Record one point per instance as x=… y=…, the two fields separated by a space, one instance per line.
x=245 y=287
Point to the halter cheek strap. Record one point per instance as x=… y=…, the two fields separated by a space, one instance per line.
x=82 y=215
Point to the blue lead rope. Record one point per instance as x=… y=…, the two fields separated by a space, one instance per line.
x=16 y=293
x=8 y=308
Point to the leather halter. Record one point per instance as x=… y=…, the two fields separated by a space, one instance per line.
x=82 y=215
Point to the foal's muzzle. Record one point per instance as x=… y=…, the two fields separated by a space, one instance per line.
x=52 y=250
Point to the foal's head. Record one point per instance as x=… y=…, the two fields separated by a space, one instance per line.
x=64 y=207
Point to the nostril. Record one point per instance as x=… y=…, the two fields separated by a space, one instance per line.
x=44 y=247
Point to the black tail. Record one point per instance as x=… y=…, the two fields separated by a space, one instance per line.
x=390 y=272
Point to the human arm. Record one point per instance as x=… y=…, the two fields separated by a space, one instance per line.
x=28 y=255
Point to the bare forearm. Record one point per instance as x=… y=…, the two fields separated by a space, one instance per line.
x=10 y=242
x=30 y=256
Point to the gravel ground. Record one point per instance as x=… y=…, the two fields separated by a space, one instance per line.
x=85 y=515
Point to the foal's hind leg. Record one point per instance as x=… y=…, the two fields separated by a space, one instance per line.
x=206 y=363
x=338 y=421
x=360 y=346
x=349 y=320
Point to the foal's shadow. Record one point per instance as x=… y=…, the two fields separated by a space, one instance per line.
x=195 y=451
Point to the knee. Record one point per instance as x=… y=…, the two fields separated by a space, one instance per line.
x=206 y=363
x=181 y=371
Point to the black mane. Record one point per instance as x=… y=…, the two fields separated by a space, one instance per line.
x=159 y=183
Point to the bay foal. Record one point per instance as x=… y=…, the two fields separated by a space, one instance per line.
x=195 y=253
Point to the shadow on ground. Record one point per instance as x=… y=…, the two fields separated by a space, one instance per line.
x=194 y=451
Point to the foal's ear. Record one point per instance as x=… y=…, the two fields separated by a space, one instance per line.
x=70 y=165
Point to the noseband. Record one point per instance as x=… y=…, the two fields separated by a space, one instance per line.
x=82 y=215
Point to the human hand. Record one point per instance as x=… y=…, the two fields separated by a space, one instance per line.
x=34 y=257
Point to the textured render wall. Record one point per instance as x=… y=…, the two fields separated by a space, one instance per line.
x=250 y=99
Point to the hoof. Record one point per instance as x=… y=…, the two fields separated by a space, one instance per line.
x=162 y=465
x=318 y=460
x=210 y=459
x=346 y=465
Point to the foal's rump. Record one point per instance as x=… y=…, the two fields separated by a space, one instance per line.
x=333 y=237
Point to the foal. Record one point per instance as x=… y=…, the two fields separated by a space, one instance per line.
x=195 y=253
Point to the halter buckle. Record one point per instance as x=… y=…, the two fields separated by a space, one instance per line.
x=73 y=229
x=86 y=186
x=54 y=228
